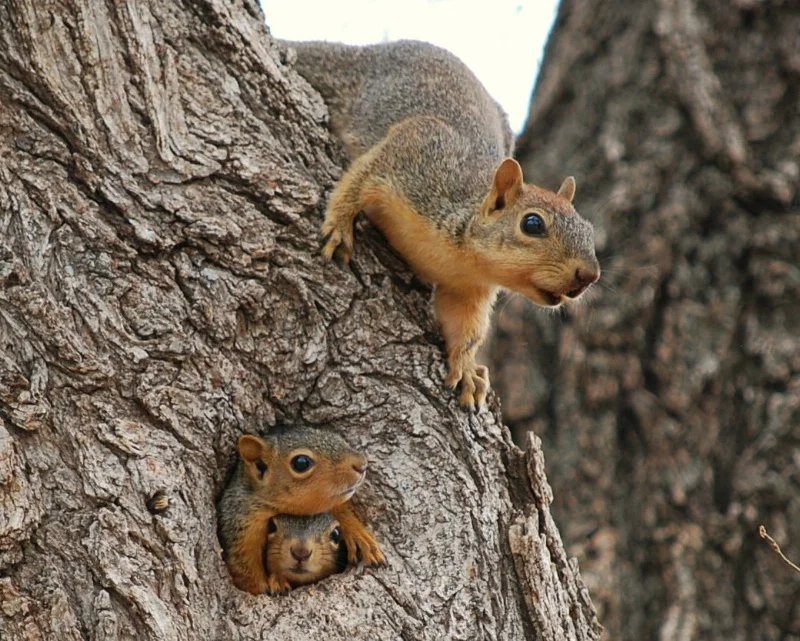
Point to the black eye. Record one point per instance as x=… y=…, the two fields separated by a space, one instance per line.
x=261 y=467
x=336 y=535
x=302 y=463
x=533 y=225
x=271 y=527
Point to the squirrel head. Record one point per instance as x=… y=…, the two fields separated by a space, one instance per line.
x=305 y=549
x=533 y=241
x=301 y=470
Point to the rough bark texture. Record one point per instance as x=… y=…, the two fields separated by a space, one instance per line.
x=162 y=179
x=669 y=403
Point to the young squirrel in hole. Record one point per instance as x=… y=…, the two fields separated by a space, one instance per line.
x=294 y=471
x=305 y=549
x=431 y=168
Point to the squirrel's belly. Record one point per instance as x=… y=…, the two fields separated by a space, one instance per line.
x=428 y=250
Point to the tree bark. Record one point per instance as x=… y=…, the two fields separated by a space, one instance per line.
x=163 y=174
x=669 y=403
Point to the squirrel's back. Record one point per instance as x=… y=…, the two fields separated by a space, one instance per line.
x=369 y=89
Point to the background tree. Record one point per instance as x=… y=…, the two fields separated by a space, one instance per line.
x=162 y=179
x=670 y=403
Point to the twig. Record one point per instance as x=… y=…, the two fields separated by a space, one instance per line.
x=777 y=548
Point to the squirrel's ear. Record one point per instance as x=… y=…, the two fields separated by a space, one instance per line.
x=507 y=183
x=567 y=189
x=253 y=448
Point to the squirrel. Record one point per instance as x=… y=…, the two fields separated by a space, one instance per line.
x=431 y=168
x=295 y=471
x=305 y=549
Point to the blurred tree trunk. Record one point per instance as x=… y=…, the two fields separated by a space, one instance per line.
x=669 y=402
x=162 y=177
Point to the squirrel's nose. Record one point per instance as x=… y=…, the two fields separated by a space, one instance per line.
x=360 y=467
x=583 y=278
x=586 y=277
x=300 y=552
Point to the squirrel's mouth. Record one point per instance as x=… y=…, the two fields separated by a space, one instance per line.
x=551 y=299
x=545 y=297
x=575 y=293
x=348 y=493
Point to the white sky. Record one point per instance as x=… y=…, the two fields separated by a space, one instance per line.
x=500 y=40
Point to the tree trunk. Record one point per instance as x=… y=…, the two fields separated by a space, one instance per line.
x=162 y=180
x=669 y=403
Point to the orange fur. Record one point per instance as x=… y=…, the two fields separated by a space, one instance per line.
x=463 y=299
x=464 y=316
x=464 y=295
x=245 y=557
x=430 y=251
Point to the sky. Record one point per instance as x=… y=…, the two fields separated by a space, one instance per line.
x=485 y=35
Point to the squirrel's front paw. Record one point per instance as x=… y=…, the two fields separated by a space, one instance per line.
x=362 y=545
x=276 y=585
x=474 y=381
x=339 y=236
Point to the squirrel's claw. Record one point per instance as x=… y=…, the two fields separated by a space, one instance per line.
x=474 y=386
x=481 y=381
x=453 y=377
x=365 y=547
x=373 y=555
x=338 y=237
x=277 y=586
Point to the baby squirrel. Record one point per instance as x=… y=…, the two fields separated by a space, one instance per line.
x=295 y=471
x=431 y=168
x=305 y=549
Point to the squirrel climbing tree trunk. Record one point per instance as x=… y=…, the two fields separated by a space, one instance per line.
x=162 y=180
x=669 y=404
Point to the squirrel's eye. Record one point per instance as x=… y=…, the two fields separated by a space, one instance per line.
x=271 y=527
x=336 y=535
x=302 y=463
x=533 y=225
x=261 y=467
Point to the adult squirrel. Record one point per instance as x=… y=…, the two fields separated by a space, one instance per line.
x=305 y=549
x=296 y=471
x=432 y=170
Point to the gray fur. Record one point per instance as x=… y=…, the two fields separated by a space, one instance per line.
x=289 y=438
x=233 y=506
x=577 y=237
x=426 y=81
x=304 y=527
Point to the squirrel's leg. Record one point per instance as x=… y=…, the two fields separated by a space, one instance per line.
x=464 y=317
x=246 y=558
x=344 y=206
x=357 y=537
